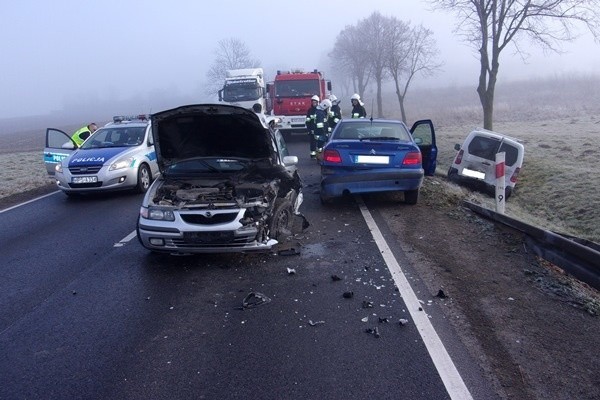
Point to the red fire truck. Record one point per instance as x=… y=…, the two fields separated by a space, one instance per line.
x=289 y=97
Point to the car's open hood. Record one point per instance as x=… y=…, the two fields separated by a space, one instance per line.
x=209 y=130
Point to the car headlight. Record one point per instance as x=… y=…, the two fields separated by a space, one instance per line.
x=159 y=214
x=120 y=164
x=58 y=168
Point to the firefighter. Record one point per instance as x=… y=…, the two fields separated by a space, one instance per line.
x=310 y=125
x=358 y=107
x=83 y=133
x=335 y=112
x=321 y=124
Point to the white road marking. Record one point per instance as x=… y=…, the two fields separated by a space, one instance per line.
x=125 y=240
x=452 y=380
x=27 y=202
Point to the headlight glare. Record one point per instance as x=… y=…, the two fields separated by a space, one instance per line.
x=120 y=164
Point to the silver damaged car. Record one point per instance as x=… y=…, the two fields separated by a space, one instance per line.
x=226 y=183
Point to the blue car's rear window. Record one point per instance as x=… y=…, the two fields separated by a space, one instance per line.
x=373 y=131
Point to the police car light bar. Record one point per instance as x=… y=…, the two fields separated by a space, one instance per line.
x=139 y=117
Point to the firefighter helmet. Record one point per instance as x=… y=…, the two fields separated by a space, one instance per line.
x=315 y=98
x=325 y=104
x=333 y=98
x=355 y=96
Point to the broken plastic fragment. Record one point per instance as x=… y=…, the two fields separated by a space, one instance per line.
x=315 y=323
x=383 y=320
x=373 y=331
x=367 y=304
x=403 y=321
x=348 y=295
x=441 y=294
x=254 y=299
x=335 y=278
x=291 y=271
x=365 y=319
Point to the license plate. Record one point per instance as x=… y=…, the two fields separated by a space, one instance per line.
x=298 y=119
x=372 y=159
x=84 y=179
x=473 y=174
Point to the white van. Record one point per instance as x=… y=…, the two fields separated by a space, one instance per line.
x=475 y=163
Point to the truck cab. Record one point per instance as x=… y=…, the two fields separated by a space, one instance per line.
x=244 y=88
x=289 y=97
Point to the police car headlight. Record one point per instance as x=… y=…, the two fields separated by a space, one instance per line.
x=120 y=164
x=159 y=214
x=58 y=168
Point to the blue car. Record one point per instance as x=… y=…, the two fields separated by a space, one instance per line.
x=378 y=155
x=118 y=156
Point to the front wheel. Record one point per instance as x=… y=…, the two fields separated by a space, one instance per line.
x=144 y=179
x=280 y=225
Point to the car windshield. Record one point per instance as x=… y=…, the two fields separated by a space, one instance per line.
x=373 y=131
x=242 y=92
x=299 y=88
x=207 y=165
x=126 y=136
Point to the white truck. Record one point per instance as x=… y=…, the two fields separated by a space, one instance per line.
x=244 y=88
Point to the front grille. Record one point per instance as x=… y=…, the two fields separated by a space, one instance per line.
x=215 y=219
x=91 y=169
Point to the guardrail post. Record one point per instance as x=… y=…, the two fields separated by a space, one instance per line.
x=500 y=189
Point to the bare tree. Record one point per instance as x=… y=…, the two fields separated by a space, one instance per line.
x=491 y=25
x=411 y=51
x=375 y=37
x=349 y=55
x=230 y=54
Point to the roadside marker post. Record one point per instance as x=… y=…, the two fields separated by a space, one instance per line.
x=500 y=189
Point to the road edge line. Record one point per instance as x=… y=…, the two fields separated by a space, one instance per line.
x=455 y=386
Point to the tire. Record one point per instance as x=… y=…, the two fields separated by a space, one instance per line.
x=411 y=196
x=280 y=225
x=452 y=174
x=144 y=179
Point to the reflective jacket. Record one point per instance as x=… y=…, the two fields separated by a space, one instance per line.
x=311 y=114
x=321 y=126
x=358 y=111
x=335 y=114
x=80 y=135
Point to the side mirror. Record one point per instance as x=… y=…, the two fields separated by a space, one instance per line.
x=290 y=160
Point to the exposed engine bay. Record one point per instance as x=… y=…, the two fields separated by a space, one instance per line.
x=250 y=188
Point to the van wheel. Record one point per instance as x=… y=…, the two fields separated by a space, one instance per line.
x=452 y=174
x=411 y=196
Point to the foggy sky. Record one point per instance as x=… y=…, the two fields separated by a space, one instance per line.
x=63 y=52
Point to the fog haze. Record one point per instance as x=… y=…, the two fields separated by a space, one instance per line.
x=72 y=54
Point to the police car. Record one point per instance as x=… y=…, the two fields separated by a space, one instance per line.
x=118 y=156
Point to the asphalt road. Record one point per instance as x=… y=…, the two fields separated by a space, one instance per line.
x=87 y=313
